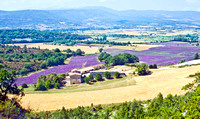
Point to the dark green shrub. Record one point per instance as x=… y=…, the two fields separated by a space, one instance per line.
x=57 y=50
x=40 y=86
x=24 y=85
x=142 y=69
x=196 y=56
x=107 y=75
x=98 y=77
x=43 y=65
x=57 y=85
x=91 y=77
x=87 y=80
x=116 y=75
x=48 y=84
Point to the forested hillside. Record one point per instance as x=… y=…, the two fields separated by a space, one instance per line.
x=97 y=17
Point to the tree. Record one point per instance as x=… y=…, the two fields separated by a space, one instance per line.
x=25 y=49
x=91 y=77
x=79 y=52
x=101 y=49
x=142 y=69
x=28 y=65
x=196 y=56
x=48 y=84
x=104 y=37
x=57 y=50
x=87 y=80
x=153 y=66
x=7 y=84
x=68 y=50
x=98 y=77
x=116 y=75
x=43 y=65
x=57 y=85
x=107 y=75
x=24 y=85
x=40 y=86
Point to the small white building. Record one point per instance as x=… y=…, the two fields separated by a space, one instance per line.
x=74 y=78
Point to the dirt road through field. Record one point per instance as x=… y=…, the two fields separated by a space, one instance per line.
x=166 y=81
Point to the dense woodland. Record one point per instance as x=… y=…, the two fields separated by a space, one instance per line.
x=35 y=36
x=120 y=59
x=26 y=60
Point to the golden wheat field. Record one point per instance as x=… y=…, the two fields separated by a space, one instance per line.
x=165 y=80
x=86 y=49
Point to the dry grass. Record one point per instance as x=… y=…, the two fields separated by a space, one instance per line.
x=165 y=80
x=86 y=49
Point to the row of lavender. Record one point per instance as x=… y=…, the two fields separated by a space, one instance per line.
x=75 y=62
x=169 y=53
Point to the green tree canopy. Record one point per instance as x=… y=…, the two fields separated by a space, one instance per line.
x=142 y=69
x=7 y=84
x=107 y=75
x=98 y=77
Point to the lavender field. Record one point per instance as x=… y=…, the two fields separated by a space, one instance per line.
x=75 y=62
x=169 y=53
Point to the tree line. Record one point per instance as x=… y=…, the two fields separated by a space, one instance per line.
x=9 y=36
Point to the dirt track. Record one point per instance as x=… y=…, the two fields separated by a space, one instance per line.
x=163 y=80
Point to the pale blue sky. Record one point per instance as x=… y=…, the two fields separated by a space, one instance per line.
x=193 y=5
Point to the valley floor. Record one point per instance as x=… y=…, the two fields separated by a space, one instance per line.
x=164 y=80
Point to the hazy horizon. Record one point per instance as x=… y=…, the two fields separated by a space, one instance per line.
x=170 y=5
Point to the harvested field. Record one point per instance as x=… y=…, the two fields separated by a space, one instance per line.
x=165 y=80
x=86 y=49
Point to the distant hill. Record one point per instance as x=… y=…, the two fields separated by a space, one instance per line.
x=97 y=17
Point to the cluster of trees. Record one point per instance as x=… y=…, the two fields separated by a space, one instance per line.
x=50 y=81
x=33 y=59
x=187 y=38
x=153 y=66
x=88 y=79
x=7 y=36
x=122 y=35
x=99 y=77
x=119 y=59
x=78 y=52
x=142 y=69
x=185 y=106
x=73 y=42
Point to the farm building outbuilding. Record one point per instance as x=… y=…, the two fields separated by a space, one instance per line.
x=74 y=78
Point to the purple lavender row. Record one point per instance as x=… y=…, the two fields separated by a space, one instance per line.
x=75 y=62
x=171 y=53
